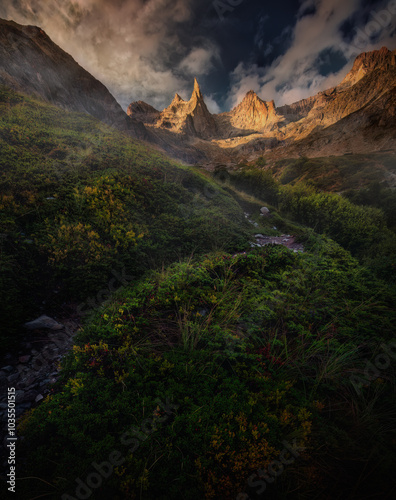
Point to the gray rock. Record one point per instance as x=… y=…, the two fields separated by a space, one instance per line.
x=43 y=322
x=264 y=210
x=28 y=381
x=39 y=397
x=8 y=369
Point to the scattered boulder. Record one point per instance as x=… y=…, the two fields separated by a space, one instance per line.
x=264 y=211
x=43 y=322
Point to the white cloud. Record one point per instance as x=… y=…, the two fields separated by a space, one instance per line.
x=200 y=61
x=211 y=104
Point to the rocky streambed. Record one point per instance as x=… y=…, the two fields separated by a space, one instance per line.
x=286 y=240
x=35 y=367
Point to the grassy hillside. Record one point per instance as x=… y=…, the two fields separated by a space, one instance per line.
x=217 y=371
x=79 y=200
x=195 y=378
x=339 y=173
x=367 y=231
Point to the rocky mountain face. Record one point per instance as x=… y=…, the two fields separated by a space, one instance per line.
x=367 y=62
x=143 y=112
x=355 y=116
x=189 y=118
x=358 y=115
x=252 y=114
x=30 y=62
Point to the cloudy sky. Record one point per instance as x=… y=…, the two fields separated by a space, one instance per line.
x=149 y=49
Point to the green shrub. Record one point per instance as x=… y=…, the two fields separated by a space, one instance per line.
x=248 y=348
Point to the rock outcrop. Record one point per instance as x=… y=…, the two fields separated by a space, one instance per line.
x=191 y=118
x=253 y=113
x=367 y=62
x=141 y=111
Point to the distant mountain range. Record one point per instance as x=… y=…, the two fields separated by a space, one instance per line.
x=356 y=116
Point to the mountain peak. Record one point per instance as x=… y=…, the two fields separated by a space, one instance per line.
x=177 y=99
x=196 y=86
x=253 y=113
x=197 y=94
x=367 y=62
x=188 y=117
x=251 y=94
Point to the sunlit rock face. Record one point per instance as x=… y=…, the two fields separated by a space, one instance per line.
x=188 y=117
x=356 y=116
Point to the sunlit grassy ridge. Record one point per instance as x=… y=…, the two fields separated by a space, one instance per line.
x=79 y=199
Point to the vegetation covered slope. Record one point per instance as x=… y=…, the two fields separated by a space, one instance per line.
x=222 y=375
x=339 y=173
x=367 y=231
x=201 y=378
x=79 y=200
